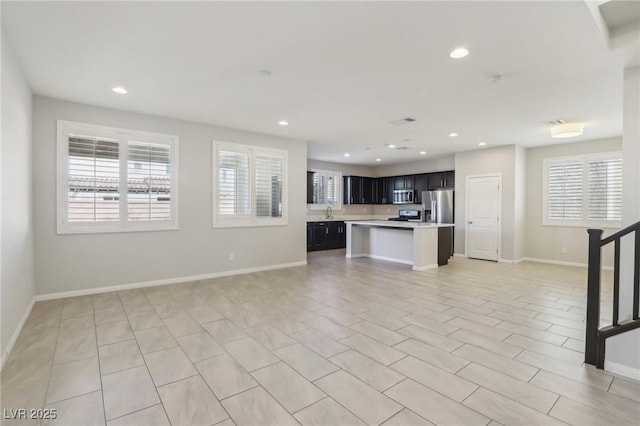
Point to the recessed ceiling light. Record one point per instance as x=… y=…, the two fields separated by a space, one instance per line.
x=378 y=160
x=120 y=90
x=423 y=152
x=391 y=146
x=283 y=123
x=459 y=52
x=453 y=134
x=346 y=154
x=482 y=144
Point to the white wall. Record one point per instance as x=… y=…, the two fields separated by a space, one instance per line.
x=623 y=351
x=520 y=203
x=546 y=242
x=81 y=262
x=16 y=277
x=488 y=161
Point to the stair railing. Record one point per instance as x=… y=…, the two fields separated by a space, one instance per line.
x=596 y=337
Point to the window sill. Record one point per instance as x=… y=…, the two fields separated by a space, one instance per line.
x=66 y=230
x=592 y=225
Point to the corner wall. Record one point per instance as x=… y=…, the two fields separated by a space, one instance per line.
x=83 y=262
x=16 y=276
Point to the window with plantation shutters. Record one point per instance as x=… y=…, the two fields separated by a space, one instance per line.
x=115 y=180
x=583 y=190
x=327 y=187
x=249 y=185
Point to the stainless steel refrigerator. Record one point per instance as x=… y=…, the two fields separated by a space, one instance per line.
x=437 y=206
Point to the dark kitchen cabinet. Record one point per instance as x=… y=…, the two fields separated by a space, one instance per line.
x=320 y=236
x=398 y=183
x=358 y=190
x=383 y=190
x=389 y=190
x=410 y=182
x=310 y=187
x=436 y=180
x=442 y=180
x=422 y=184
x=326 y=235
x=449 y=180
x=337 y=237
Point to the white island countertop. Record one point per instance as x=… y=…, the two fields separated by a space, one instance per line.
x=399 y=224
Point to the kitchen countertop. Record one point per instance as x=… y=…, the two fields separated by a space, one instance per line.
x=394 y=224
x=339 y=218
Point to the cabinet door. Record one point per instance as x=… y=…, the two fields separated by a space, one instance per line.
x=335 y=238
x=436 y=180
x=410 y=182
x=378 y=195
x=398 y=182
x=342 y=235
x=449 y=180
x=320 y=236
x=389 y=187
x=366 y=190
x=310 y=187
x=309 y=236
x=422 y=184
x=352 y=190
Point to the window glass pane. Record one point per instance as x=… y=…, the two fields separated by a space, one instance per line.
x=148 y=182
x=605 y=189
x=326 y=187
x=564 y=196
x=93 y=178
x=268 y=186
x=234 y=194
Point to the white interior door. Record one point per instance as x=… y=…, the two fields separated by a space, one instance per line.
x=483 y=217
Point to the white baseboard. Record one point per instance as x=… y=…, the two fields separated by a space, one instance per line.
x=622 y=370
x=390 y=259
x=561 y=262
x=512 y=262
x=425 y=268
x=459 y=255
x=16 y=333
x=89 y=291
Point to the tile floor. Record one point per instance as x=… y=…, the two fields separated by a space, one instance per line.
x=339 y=342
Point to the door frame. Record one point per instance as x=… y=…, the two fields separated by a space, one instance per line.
x=466 y=212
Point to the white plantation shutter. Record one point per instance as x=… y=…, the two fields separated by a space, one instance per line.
x=110 y=181
x=148 y=181
x=234 y=191
x=268 y=186
x=583 y=191
x=564 y=194
x=326 y=187
x=249 y=185
x=605 y=189
x=93 y=179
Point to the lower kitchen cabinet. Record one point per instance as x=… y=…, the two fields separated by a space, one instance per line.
x=326 y=235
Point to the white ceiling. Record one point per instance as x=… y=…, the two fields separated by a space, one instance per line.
x=341 y=71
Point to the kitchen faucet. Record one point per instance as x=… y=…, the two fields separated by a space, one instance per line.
x=329 y=213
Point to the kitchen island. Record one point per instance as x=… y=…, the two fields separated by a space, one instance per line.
x=421 y=245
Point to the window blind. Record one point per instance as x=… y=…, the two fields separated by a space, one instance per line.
x=268 y=186
x=605 y=189
x=234 y=191
x=93 y=179
x=564 y=191
x=326 y=187
x=148 y=181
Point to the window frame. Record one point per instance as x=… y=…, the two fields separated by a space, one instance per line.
x=338 y=206
x=124 y=137
x=250 y=220
x=584 y=160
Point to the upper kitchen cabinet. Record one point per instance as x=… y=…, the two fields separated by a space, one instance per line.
x=358 y=190
x=310 y=187
x=422 y=184
x=442 y=180
x=404 y=182
x=383 y=190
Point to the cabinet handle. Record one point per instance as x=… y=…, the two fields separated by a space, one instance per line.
x=327 y=232
x=445 y=182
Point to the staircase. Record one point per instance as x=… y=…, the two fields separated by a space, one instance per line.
x=596 y=337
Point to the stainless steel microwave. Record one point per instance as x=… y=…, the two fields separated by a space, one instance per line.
x=403 y=196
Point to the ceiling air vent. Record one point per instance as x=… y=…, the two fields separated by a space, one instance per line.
x=402 y=148
x=553 y=123
x=402 y=121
